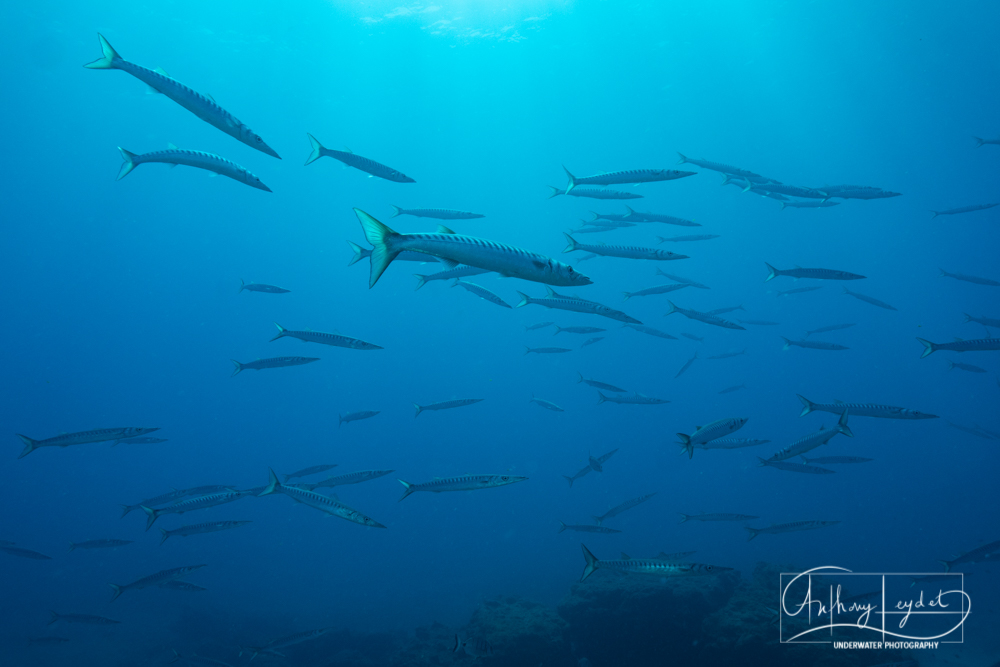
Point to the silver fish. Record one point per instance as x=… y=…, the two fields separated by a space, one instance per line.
x=709 y=432
x=548 y=405
x=833 y=460
x=449 y=274
x=318 y=501
x=405 y=256
x=985 y=321
x=311 y=470
x=727 y=309
x=618 y=509
x=202 y=106
x=578 y=330
x=827 y=329
x=24 y=553
x=591 y=341
x=273 y=362
x=686 y=239
x=594 y=193
x=178 y=585
x=716 y=517
x=686 y=366
x=792 y=527
x=587 y=528
x=646 y=216
x=461 y=483
x=693 y=337
x=982 y=142
x=977 y=555
x=436 y=213
x=625 y=252
x=191 y=504
x=608 y=224
x=576 y=305
x=703 y=317
x=156 y=579
x=659 y=289
x=98 y=544
x=146 y=440
x=611 y=217
x=82 y=619
x=481 y=292
x=350 y=478
x=650 y=331
x=759 y=323
x=540 y=325
x=622 y=177
x=857 y=192
x=358 y=162
x=678 y=279
x=322 y=338
x=446 y=405
x=546 y=350
x=719 y=167
x=201 y=528
x=174 y=495
x=651 y=566
x=198 y=159
x=862 y=410
x=454 y=249
x=783 y=189
x=952 y=365
x=970 y=279
x=813 y=440
x=963 y=209
x=630 y=399
x=600 y=460
x=812 y=344
x=973 y=345
x=356 y=416
x=262 y=287
x=600 y=385
x=729 y=390
x=732 y=443
x=794 y=467
x=809 y=204
x=815 y=274
x=83 y=438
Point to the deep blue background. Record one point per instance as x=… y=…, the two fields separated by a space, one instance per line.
x=121 y=298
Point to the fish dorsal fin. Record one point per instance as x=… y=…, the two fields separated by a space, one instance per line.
x=625 y=556
x=444 y=230
x=172 y=146
x=823 y=427
x=629 y=209
x=211 y=98
x=162 y=72
x=348 y=150
x=697 y=428
x=551 y=292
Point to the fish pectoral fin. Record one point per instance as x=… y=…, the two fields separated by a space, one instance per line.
x=211 y=98
x=450 y=263
x=162 y=72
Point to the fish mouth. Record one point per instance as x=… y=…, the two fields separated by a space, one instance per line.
x=264 y=148
x=264 y=187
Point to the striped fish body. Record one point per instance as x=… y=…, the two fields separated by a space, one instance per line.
x=625 y=252
x=718 y=166
x=591 y=341
x=970 y=279
x=795 y=467
x=862 y=410
x=261 y=287
x=985 y=321
x=809 y=204
x=350 y=478
x=815 y=274
x=157 y=500
x=318 y=501
x=157 y=579
x=436 y=213
x=196 y=159
x=594 y=193
x=446 y=405
x=611 y=217
x=793 y=527
x=813 y=440
x=717 y=429
x=311 y=470
x=623 y=177
x=578 y=330
x=178 y=585
x=651 y=566
x=548 y=405
x=659 y=289
x=631 y=399
x=335 y=340
x=833 y=460
x=732 y=443
x=971 y=345
x=360 y=163
x=83 y=438
x=609 y=224
x=600 y=385
x=202 y=106
x=450 y=274
x=273 y=362
x=782 y=189
x=714 y=320
x=651 y=331
x=482 y=293
x=356 y=416
x=191 y=504
x=812 y=344
x=202 y=528
x=98 y=544
x=646 y=216
x=461 y=483
x=964 y=209
x=857 y=192
x=577 y=306
x=581 y=473
x=139 y=441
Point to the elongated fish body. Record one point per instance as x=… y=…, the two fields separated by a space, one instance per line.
x=178 y=585
x=625 y=252
x=815 y=274
x=630 y=399
x=586 y=470
x=24 y=553
x=449 y=274
x=977 y=431
x=540 y=325
x=596 y=465
x=98 y=544
x=157 y=579
x=608 y=224
x=481 y=292
x=970 y=279
x=703 y=317
x=716 y=517
x=594 y=230
x=201 y=529
x=82 y=619
x=813 y=203
x=546 y=350
x=651 y=331
x=812 y=344
x=335 y=340
x=862 y=410
x=719 y=167
x=578 y=330
x=827 y=329
x=360 y=163
x=759 y=323
x=355 y=416
x=971 y=345
x=273 y=362
x=732 y=443
x=83 y=438
x=461 y=483
x=587 y=528
x=591 y=341
x=857 y=192
x=717 y=429
x=548 y=405
x=600 y=385
x=318 y=501
x=793 y=527
x=612 y=217
x=163 y=499
x=145 y=440
x=985 y=321
x=813 y=440
x=982 y=142
x=683 y=239
x=964 y=209
x=454 y=249
x=659 y=289
x=679 y=279
x=350 y=478
x=651 y=566
x=261 y=287
x=202 y=106
x=799 y=290
x=577 y=306
x=405 y=256
x=436 y=213
x=446 y=405
x=728 y=309
x=618 y=509
x=648 y=216
x=594 y=193
x=601 y=460
x=191 y=504
x=834 y=460
x=977 y=555
x=686 y=366
x=693 y=337
x=311 y=470
x=794 y=467
x=952 y=365
x=623 y=177
x=729 y=390
x=197 y=159
x=783 y=189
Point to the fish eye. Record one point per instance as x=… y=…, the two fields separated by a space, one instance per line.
x=259 y=140
x=504 y=478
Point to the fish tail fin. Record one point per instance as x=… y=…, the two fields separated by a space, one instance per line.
x=273 y=485
x=281 y=332
x=421 y=281
x=29 y=445
x=947 y=565
x=772 y=272
x=107 y=61
x=118 y=591
x=571 y=241
x=525 y=300
x=242 y=285
x=592 y=562
x=419 y=408
x=749 y=185
x=627 y=296
x=380 y=236
x=684 y=517
x=317 y=149
x=128 y=164
x=929 y=348
x=555 y=192
x=359 y=253
x=598 y=520
x=951 y=364
x=843 y=427
x=239 y=367
x=787 y=344
x=395 y=210
x=72 y=545
x=936 y=214
x=568 y=479
x=596 y=217
x=572 y=179
x=562 y=526
x=340 y=420
x=673 y=308
x=601 y=397
x=53 y=618
x=807 y=405
x=151 y=515
x=753 y=532
x=165 y=535
x=407 y=490
x=683 y=158
x=126 y=509
x=979 y=142
x=685 y=443
x=783 y=206
x=968 y=318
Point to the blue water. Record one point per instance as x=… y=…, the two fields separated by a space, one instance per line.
x=122 y=306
